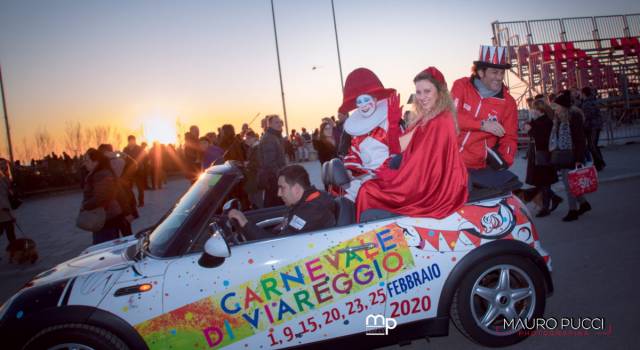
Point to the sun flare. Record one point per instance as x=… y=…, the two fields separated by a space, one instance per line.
x=160 y=130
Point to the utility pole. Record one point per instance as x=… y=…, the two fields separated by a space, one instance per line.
x=6 y=118
x=335 y=29
x=275 y=33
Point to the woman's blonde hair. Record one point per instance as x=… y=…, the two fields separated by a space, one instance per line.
x=443 y=103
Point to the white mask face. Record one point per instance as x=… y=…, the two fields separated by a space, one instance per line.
x=366 y=105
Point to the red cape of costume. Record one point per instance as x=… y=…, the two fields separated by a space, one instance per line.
x=431 y=181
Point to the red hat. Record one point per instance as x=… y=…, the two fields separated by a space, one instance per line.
x=362 y=82
x=436 y=74
x=492 y=57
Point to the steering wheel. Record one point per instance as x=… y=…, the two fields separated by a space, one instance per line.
x=231 y=226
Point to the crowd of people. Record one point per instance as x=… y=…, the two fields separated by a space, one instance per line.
x=421 y=163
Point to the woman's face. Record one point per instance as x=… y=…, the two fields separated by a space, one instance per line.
x=557 y=108
x=327 y=130
x=89 y=164
x=426 y=95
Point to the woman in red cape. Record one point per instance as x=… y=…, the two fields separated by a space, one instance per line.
x=432 y=179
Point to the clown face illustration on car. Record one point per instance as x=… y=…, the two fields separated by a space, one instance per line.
x=192 y=281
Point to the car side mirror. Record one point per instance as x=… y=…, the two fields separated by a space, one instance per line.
x=216 y=249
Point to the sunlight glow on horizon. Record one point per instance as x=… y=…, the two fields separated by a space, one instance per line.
x=159 y=130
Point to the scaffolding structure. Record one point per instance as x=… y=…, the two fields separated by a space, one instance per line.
x=602 y=52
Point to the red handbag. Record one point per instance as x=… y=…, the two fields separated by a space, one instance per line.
x=583 y=180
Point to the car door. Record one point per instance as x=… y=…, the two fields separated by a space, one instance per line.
x=435 y=246
x=282 y=292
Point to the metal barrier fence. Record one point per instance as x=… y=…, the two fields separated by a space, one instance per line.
x=620 y=125
x=590 y=30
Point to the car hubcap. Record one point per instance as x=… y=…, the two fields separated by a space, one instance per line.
x=71 y=346
x=502 y=293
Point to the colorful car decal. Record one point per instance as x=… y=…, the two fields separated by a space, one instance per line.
x=279 y=296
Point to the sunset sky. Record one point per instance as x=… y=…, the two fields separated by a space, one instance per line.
x=144 y=64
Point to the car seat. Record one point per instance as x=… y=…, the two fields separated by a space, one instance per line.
x=335 y=174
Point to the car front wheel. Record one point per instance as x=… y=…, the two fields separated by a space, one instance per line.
x=77 y=337
x=494 y=295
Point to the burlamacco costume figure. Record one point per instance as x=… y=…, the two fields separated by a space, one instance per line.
x=374 y=126
x=432 y=179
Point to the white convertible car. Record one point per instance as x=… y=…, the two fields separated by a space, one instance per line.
x=193 y=282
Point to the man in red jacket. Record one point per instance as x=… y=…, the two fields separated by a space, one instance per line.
x=487 y=118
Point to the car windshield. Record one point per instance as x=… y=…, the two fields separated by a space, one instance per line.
x=162 y=234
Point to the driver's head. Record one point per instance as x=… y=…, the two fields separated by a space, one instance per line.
x=293 y=181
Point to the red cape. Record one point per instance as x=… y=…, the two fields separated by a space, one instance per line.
x=431 y=181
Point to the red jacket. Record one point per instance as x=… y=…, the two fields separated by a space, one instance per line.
x=472 y=110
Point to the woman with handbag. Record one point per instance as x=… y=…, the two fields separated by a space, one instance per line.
x=540 y=172
x=100 y=209
x=567 y=144
x=7 y=221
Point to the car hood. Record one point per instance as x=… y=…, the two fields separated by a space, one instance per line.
x=108 y=256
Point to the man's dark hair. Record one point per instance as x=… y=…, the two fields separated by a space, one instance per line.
x=131 y=137
x=295 y=174
x=587 y=91
x=105 y=147
x=99 y=157
x=475 y=69
x=539 y=97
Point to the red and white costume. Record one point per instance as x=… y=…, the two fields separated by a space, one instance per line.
x=371 y=136
x=368 y=151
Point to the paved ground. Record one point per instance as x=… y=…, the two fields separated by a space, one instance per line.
x=594 y=258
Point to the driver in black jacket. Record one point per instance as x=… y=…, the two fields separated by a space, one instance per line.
x=309 y=209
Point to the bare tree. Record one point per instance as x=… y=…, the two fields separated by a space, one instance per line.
x=27 y=151
x=44 y=142
x=102 y=134
x=74 y=140
x=89 y=139
x=116 y=137
x=181 y=129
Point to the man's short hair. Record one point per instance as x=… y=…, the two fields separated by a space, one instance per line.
x=475 y=69
x=270 y=117
x=131 y=137
x=295 y=174
x=539 y=97
x=587 y=91
x=105 y=147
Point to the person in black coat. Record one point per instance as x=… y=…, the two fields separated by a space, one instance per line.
x=572 y=138
x=325 y=144
x=308 y=208
x=540 y=172
x=231 y=144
